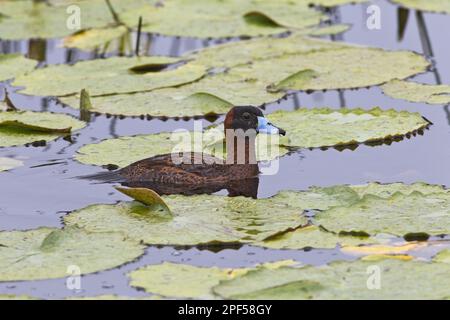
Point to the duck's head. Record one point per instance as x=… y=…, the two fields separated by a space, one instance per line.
x=248 y=117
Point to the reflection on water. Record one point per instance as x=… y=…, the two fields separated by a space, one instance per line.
x=39 y=193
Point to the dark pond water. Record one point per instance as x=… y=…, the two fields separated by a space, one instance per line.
x=43 y=190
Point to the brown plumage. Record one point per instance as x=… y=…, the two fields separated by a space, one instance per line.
x=198 y=172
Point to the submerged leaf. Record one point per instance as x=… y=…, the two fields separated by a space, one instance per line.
x=48 y=253
x=13 y=65
x=100 y=76
x=343 y=280
x=417 y=92
x=23 y=127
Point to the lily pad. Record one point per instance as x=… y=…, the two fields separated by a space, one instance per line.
x=91 y=39
x=100 y=76
x=440 y=6
x=23 y=127
x=342 y=280
x=202 y=219
x=400 y=214
x=13 y=65
x=312 y=237
x=47 y=253
x=9 y=163
x=319 y=128
x=211 y=95
x=219 y=19
x=417 y=92
x=147 y=197
x=185 y=281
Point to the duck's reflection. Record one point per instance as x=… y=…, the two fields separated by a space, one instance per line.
x=245 y=187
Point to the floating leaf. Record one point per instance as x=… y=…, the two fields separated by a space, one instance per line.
x=443 y=256
x=13 y=65
x=94 y=38
x=201 y=219
x=440 y=6
x=312 y=237
x=313 y=128
x=211 y=95
x=417 y=92
x=383 y=249
x=147 y=197
x=23 y=127
x=218 y=19
x=342 y=280
x=334 y=29
x=185 y=281
x=100 y=76
x=47 y=253
x=319 y=128
x=411 y=215
x=14 y=297
x=9 y=163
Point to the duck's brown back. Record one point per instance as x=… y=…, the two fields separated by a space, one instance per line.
x=196 y=168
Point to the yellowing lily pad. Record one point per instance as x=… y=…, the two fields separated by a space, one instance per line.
x=202 y=219
x=48 y=253
x=440 y=6
x=373 y=280
x=101 y=76
x=384 y=249
x=13 y=65
x=9 y=163
x=417 y=92
x=23 y=127
x=94 y=38
x=147 y=197
x=402 y=215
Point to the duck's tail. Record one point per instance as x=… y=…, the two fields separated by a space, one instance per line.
x=104 y=177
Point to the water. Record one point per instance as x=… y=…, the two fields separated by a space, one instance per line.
x=43 y=190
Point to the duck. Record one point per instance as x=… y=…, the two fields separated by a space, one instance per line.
x=199 y=172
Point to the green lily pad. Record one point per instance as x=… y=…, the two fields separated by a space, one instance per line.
x=319 y=128
x=185 y=281
x=14 y=297
x=91 y=39
x=100 y=76
x=342 y=280
x=147 y=197
x=47 y=253
x=211 y=95
x=201 y=219
x=417 y=92
x=9 y=163
x=330 y=30
x=312 y=237
x=13 y=65
x=218 y=19
x=327 y=127
x=443 y=256
x=400 y=214
x=23 y=127
x=440 y=6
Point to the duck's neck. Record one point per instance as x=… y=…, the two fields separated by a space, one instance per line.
x=240 y=147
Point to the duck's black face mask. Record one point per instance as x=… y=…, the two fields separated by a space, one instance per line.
x=247 y=118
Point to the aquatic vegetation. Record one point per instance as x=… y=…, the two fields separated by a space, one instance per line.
x=13 y=65
x=319 y=128
x=440 y=6
x=417 y=92
x=100 y=76
x=24 y=127
x=91 y=39
x=48 y=253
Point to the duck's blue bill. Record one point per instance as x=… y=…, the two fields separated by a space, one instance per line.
x=264 y=126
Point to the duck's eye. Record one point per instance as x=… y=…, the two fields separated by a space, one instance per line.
x=246 y=116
